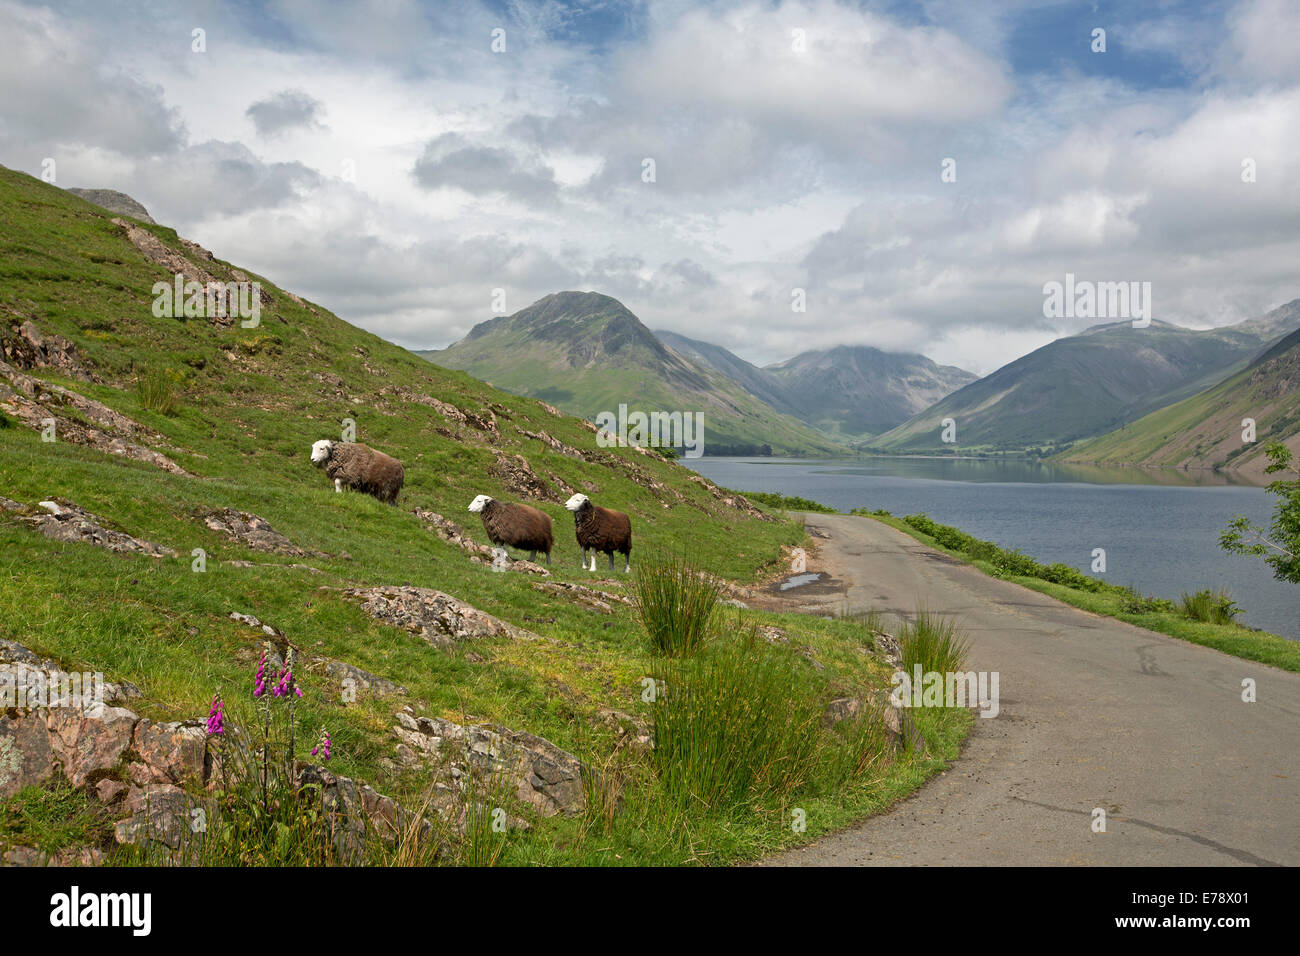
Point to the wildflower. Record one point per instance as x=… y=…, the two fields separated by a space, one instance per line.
x=285 y=684
x=260 y=689
x=323 y=747
x=216 y=717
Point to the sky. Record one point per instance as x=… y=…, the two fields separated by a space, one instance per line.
x=409 y=165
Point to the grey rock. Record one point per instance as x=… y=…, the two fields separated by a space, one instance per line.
x=114 y=201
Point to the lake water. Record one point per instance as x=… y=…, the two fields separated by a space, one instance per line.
x=1160 y=531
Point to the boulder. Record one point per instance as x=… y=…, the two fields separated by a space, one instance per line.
x=539 y=773
x=438 y=618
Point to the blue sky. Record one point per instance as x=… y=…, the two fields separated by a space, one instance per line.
x=386 y=161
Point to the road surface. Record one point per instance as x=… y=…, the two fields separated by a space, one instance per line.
x=1094 y=713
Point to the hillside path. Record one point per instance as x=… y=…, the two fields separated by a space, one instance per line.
x=1094 y=713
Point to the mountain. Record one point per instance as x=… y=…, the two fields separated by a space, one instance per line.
x=587 y=353
x=857 y=390
x=758 y=382
x=1085 y=385
x=1205 y=431
x=114 y=201
x=845 y=392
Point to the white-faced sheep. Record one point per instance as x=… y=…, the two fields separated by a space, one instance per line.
x=601 y=530
x=357 y=466
x=516 y=526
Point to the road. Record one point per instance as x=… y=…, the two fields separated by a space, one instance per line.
x=1094 y=713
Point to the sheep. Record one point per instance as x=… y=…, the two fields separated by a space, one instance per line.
x=515 y=525
x=357 y=466
x=601 y=529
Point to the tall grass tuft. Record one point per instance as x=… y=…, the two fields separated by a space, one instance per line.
x=932 y=640
x=675 y=602
x=1210 y=607
x=734 y=725
x=157 y=391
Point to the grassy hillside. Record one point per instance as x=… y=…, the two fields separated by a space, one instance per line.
x=237 y=410
x=1085 y=385
x=586 y=353
x=1205 y=431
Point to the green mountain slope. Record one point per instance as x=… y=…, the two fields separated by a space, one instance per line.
x=587 y=353
x=845 y=392
x=1205 y=431
x=161 y=425
x=1088 y=384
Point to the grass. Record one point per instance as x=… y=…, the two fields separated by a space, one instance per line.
x=675 y=601
x=735 y=725
x=253 y=402
x=1090 y=594
x=1210 y=607
x=53 y=818
x=932 y=642
x=157 y=392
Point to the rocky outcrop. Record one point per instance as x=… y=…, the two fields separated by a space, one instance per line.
x=518 y=476
x=736 y=502
x=77 y=419
x=601 y=601
x=438 y=618
x=69 y=523
x=537 y=772
x=24 y=347
x=114 y=201
x=900 y=729
x=154 y=775
x=253 y=532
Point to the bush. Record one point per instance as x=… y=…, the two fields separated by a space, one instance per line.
x=1210 y=607
x=1131 y=602
x=735 y=725
x=675 y=602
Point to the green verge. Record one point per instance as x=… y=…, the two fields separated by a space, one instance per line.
x=1108 y=599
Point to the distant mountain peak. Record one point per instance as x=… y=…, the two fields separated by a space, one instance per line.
x=114 y=201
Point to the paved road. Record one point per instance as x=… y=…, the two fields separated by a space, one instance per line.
x=1094 y=713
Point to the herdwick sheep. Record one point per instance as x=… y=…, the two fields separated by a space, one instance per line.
x=357 y=466
x=515 y=525
x=601 y=530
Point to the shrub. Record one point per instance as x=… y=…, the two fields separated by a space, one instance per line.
x=675 y=602
x=1131 y=602
x=1209 y=607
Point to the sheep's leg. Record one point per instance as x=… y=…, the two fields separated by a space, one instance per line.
x=611 y=562
x=548 y=558
x=338 y=485
x=627 y=563
x=531 y=555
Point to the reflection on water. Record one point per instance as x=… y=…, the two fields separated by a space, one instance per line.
x=1160 y=529
x=1011 y=470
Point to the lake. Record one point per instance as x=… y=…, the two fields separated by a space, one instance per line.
x=1160 y=530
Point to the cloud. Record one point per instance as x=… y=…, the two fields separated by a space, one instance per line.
x=286 y=110
x=57 y=96
x=451 y=160
x=776 y=167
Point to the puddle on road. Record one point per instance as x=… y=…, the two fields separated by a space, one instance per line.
x=800 y=580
